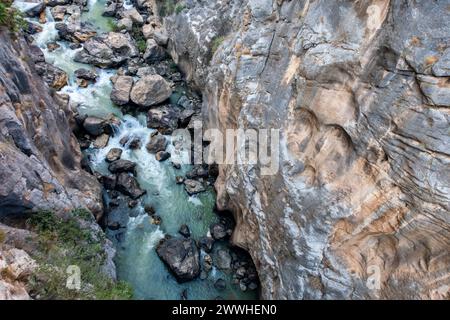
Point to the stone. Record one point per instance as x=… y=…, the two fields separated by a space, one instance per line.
x=252 y=286
x=161 y=37
x=33 y=8
x=220 y=285
x=95 y=126
x=179 y=180
x=182 y=257
x=241 y=272
x=222 y=260
x=218 y=231
x=120 y=93
x=156 y=144
x=53 y=76
x=437 y=90
x=101 y=141
x=154 y=52
x=108 y=181
x=184 y=231
x=52 y=46
x=86 y=74
x=125 y=24
x=58 y=12
x=155 y=219
x=165 y=119
x=110 y=10
x=162 y=156
x=147 y=31
x=207 y=262
x=113 y=155
x=121 y=165
x=197 y=172
x=150 y=90
x=134 y=16
x=193 y=187
x=128 y=185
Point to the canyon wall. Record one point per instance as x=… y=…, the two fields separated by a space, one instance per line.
x=40 y=157
x=360 y=91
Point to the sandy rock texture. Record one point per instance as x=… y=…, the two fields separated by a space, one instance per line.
x=360 y=93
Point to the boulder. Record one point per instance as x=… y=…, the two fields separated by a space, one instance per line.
x=86 y=74
x=218 y=231
x=125 y=24
x=58 y=12
x=165 y=119
x=52 y=46
x=150 y=90
x=223 y=260
x=162 y=156
x=101 y=141
x=120 y=93
x=110 y=10
x=53 y=76
x=184 y=231
x=154 y=52
x=95 y=126
x=193 y=187
x=121 y=165
x=181 y=256
x=157 y=143
x=134 y=16
x=206 y=244
x=128 y=185
x=148 y=31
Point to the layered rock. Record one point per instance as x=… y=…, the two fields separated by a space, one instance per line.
x=359 y=92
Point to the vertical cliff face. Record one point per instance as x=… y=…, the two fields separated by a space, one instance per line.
x=361 y=93
x=40 y=157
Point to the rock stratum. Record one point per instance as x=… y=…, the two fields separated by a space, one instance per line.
x=361 y=93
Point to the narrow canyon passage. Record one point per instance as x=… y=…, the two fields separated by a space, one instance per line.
x=136 y=226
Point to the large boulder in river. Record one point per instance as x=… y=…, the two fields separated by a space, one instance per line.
x=193 y=187
x=108 y=50
x=121 y=165
x=95 y=126
x=113 y=155
x=181 y=256
x=157 y=143
x=53 y=76
x=120 y=93
x=150 y=90
x=165 y=119
x=128 y=185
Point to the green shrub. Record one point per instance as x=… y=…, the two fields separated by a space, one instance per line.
x=179 y=8
x=64 y=242
x=167 y=8
x=216 y=42
x=10 y=17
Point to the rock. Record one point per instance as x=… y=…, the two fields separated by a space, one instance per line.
x=184 y=231
x=197 y=172
x=58 y=12
x=95 y=126
x=120 y=93
x=437 y=90
x=242 y=286
x=134 y=16
x=157 y=143
x=125 y=24
x=113 y=155
x=161 y=37
x=150 y=90
x=33 y=8
x=52 y=46
x=164 y=119
x=442 y=67
x=179 y=180
x=110 y=10
x=206 y=244
x=181 y=256
x=218 y=231
x=176 y=166
x=109 y=181
x=193 y=187
x=121 y=165
x=101 y=141
x=147 y=31
x=252 y=286
x=128 y=185
x=154 y=52
x=132 y=203
x=220 y=285
x=241 y=272
x=108 y=50
x=222 y=260
x=162 y=156
x=114 y=226
x=53 y=3
x=53 y=76
x=207 y=262
x=37 y=56
x=149 y=210
x=75 y=32
x=156 y=220
x=86 y=74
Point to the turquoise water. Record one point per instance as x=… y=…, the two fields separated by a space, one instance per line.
x=136 y=259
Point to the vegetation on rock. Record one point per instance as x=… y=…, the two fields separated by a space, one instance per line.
x=10 y=17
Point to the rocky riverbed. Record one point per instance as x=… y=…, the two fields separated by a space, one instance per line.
x=108 y=63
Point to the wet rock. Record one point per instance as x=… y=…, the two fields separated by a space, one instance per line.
x=242 y=286
x=223 y=259
x=34 y=9
x=181 y=256
x=207 y=262
x=101 y=141
x=86 y=74
x=75 y=32
x=110 y=10
x=193 y=187
x=252 y=286
x=150 y=90
x=162 y=156
x=155 y=219
x=176 y=166
x=95 y=126
x=157 y=143
x=179 y=180
x=108 y=181
x=109 y=50
x=121 y=165
x=164 y=119
x=120 y=93
x=220 y=285
x=52 y=46
x=154 y=52
x=218 y=231
x=197 y=172
x=184 y=231
x=53 y=76
x=114 y=225
x=132 y=203
x=113 y=154
x=149 y=210
x=58 y=12
x=241 y=272
x=128 y=185
x=206 y=244
x=53 y=3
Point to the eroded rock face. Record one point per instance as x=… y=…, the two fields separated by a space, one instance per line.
x=359 y=91
x=40 y=157
x=150 y=90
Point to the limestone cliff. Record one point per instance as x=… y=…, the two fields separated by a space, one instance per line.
x=361 y=93
x=40 y=157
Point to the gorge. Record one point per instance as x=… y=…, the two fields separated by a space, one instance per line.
x=91 y=92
